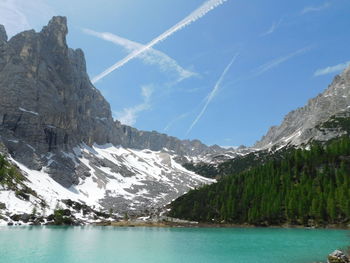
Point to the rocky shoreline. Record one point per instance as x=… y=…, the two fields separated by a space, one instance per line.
x=74 y=214
x=77 y=214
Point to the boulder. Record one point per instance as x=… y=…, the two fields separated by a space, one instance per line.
x=338 y=257
x=21 y=217
x=2 y=206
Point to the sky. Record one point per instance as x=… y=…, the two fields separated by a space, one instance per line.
x=221 y=71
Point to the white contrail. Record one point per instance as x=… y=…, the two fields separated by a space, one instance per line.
x=151 y=56
x=276 y=62
x=194 y=16
x=310 y=9
x=212 y=94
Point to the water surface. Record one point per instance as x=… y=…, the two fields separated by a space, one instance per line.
x=168 y=245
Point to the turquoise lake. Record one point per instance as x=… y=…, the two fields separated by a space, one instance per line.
x=168 y=245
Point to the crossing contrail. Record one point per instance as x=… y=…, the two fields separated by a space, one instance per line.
x=151 y=56
x=194 y=16
x=212 y=94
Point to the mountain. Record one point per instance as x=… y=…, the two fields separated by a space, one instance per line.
x=309 y=187
x=49 y=102
x=297 y=174
x=300 y=125
x=323 y=118
x=57 y=128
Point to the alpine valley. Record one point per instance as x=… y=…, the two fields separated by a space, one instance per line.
x=65 y=160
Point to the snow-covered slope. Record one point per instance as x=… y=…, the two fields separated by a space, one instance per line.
x=124 y=180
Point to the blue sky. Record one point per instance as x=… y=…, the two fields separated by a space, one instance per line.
x=225 y=78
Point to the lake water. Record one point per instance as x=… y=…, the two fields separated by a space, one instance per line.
x=167 y=245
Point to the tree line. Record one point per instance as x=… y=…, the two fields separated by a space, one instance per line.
x=298 y=187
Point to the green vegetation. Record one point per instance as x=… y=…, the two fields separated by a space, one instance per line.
x=203 y=169
x=62 y=217
x=339 y=122
x=9 y=175
x=34 y=211
x=12 y=179
x=296 y=186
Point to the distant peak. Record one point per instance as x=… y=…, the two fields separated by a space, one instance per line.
x=56 y=30
x=3 y=35
x=58 y=23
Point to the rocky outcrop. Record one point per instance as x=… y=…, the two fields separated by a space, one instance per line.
x=3 y=35
x=48 y=102
x=338 y=257
x=300 y=125
x=48 y=106
x=127 y=136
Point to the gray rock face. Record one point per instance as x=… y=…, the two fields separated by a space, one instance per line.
x=48 y=105
x=3 y=35
x=132 y=138
x=299 y=126
x=3 y=44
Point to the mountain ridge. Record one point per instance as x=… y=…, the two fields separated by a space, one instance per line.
x=298 y=126
x=319 y=120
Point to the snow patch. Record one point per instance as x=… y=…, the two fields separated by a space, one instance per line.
x=138 y=178
x=28 y=111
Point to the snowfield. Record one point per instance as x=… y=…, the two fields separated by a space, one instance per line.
x=114 y=178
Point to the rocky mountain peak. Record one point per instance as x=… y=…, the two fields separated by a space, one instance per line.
x=346 y=75
x=3 y=35
x=299 y=125
x=58 y=24
x=56 y=30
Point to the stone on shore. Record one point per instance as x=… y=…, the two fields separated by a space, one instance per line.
x=338 y=257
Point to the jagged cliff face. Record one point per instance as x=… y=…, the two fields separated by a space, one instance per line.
x=52 y=120
x=127 y=136
x=302 y=124
x=47 y=99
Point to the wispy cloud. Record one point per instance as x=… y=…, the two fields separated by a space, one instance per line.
x=332 y=69
x=276 y=62
x=213 y=93
x=15 y=15
x=273 y=28
x=128 y=116
x=151 y=56
x=194 y=16
x=310 y=9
